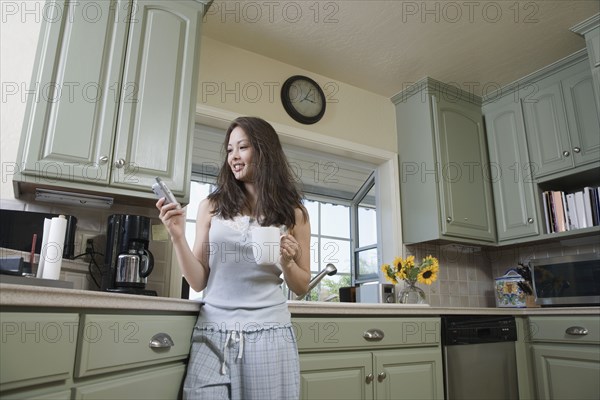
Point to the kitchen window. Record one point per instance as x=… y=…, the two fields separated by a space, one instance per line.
x=331 y=239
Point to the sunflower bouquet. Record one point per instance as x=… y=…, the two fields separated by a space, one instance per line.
x=406 y=270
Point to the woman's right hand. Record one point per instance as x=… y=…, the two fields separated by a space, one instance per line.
x=172 y=217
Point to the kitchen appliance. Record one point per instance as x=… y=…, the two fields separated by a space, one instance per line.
x=375 y=292
x=567 y=281
x=479 y=357
x=127 y=260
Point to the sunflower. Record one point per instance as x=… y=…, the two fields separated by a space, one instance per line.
x=410 y=262
x=388 y=273
x=428 y=274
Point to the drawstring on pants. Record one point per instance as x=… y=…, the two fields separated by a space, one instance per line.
x=232 y=338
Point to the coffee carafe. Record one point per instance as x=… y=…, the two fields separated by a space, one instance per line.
x=134 y=267
x=127 y=260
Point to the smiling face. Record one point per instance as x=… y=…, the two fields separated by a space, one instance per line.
x=240 y=155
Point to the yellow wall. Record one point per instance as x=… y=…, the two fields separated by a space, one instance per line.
x=249 y=84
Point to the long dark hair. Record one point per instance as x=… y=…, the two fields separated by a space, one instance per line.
x=277 y=194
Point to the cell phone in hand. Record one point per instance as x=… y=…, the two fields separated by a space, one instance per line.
x=161 y=190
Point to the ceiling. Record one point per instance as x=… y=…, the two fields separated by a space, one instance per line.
x=384 y=45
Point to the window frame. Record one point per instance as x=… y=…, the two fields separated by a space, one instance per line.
x=364 y=190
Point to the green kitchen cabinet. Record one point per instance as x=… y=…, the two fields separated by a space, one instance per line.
x=84 y=355
x=510 y=171
x=37 y=349
x=566 y=356
x=445 y=188
x=153 y=383
x=562 y=120
x=370 y=358
x=115 y=98
x=590 y=29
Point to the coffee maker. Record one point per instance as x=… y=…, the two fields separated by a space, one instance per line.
x=127 y=260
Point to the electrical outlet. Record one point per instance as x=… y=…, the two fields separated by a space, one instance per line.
x=83 y=239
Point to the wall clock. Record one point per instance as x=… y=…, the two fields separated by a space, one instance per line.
x=303 y=99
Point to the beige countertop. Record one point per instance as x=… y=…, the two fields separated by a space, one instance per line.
x=46 y=297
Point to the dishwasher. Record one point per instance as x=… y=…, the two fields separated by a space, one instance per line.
x=479 y=357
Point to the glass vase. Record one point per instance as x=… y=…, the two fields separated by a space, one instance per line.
x=411 y=294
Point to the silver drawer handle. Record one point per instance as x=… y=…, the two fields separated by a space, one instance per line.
x=577 y=331
x=161 y=341
x=373 y=335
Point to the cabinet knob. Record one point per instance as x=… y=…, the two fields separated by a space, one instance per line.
x=120 y=163
x=577 y=149
x=576 y=331
x=448 y=219
x=530 y=220
x=369 y=378
x=381 y=376
x=566 y=153
x=161 y=341
x=373 y=335
x=103 y=160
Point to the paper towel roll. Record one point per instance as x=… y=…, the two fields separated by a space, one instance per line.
x=53 y=251
x=46 y=234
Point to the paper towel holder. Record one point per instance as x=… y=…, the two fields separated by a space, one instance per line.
x=73 y=199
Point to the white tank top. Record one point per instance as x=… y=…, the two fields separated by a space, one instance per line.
x=240 y=295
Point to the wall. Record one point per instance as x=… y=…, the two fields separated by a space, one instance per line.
x=247 y=83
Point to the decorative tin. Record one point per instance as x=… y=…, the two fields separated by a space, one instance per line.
x=508 y=292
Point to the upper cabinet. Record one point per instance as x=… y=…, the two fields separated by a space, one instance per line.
x=116 y=97
x=512 y=182
x=444 y=185
x=590 y=29
x=562 y=121
x=543 y=135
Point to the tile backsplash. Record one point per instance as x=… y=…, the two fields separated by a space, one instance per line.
x=467 y=273
x=93 y=223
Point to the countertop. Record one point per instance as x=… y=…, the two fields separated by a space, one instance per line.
x=46 y=297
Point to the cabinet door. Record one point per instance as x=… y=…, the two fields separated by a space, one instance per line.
x=510 y=172
x=72 y=116
x=156 y=383
x=567 y=371
x=37 y=348
x=464 y=185
x=155 y=131
x=336 y=376
x=583 y=119
x=547 y=130
x=409 y=374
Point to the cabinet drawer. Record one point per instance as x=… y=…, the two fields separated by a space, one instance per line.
x=29 y=340
x=115 y=342
x=347 y=333
x=554 y=329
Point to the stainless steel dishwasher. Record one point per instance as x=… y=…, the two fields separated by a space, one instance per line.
x=479 y=357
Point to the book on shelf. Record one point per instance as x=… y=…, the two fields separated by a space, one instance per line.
x=565 y=211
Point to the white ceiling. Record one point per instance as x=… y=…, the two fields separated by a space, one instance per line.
x=384 y=45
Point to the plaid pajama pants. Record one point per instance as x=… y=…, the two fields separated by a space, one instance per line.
x=238 y=365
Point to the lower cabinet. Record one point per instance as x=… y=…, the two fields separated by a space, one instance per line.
x=565 y=355
x=365 y=358
x=154 y=383
x=76 y=355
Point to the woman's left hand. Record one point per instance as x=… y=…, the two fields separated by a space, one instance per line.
x=290 y=249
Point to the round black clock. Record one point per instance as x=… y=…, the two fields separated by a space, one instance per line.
x=303 y=99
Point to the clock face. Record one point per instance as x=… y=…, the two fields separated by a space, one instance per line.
x=303 y=99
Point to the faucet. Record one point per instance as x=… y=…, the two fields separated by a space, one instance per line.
x=329 y=270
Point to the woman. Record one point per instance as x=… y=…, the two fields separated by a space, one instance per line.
x=243 y=344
